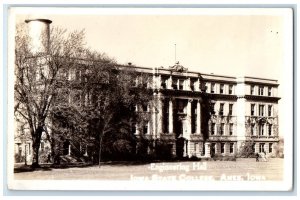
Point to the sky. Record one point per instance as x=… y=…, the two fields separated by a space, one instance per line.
x=236 y=45
x=233 y=43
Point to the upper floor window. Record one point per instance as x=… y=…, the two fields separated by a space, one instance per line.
x=261 y=110
x=192 y=85
x=270 y=110
x=174 y=84
x=222 y=129
x=252 y=109
x=212 y=88
x=231 y=129
x=213 y=108
x=145 y=108
x=270 y=129
x=252 y=129
x=145 y=129
x=261 y=90
x=230 y=109
x=213 y=128
x=133 y=128
x=221 y=88
x=252 y=89
x=269 y=91
x=221 y=112
x=261 y=129
x=181 y=83
x=230 y=89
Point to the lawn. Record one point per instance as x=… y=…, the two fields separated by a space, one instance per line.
x=242 y=169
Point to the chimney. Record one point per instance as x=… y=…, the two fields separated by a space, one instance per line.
x=39 y=35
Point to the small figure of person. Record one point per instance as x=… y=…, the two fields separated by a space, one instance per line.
x=257 y=157
x=49 y=158
x=264 y=156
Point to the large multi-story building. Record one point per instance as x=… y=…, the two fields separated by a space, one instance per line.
x=198 y=114
x=203 y=114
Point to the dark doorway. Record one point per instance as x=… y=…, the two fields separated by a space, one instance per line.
x=179 y=147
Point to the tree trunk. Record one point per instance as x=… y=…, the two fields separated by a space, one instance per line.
x=35 y=147
x=100 y=148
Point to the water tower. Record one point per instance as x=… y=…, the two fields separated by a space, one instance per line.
x=39 y=35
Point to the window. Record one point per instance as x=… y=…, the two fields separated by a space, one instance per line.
x=221 y=109
x=133 y=128
x=269 y=91
x=222 y=129
x=213 y=108
x=145 y=108
x=270 y=147
x=261 y=110
x=261 y=147
x=221 y=88
x=212 y=88
x=222 y=147
x=230 y=109
x=252 y=109
x=252 y=129
x=261 y=129
x=192 y=85
x=213 y=148
x=145 y=129
x=213 y=128
x=181 y=83
x=231 y=147
x=269 y=110
x=174 y=84
x=261 y=90
x=163 y=84
x=252 y=89
x=270 y=129
x=231 y=129
x=230 y=91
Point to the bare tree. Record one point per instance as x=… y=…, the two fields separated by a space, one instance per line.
x=37 y=78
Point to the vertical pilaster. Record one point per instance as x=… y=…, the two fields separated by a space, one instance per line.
x=171 y=116
x=198 y=124
x=154 y=120
x=189 y=118
x=160 y=115
x=207 y=149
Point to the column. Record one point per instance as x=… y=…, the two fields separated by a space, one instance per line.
x=198 y=124
x=207 y=149
x=160 y=116
x=69 y=151
x=189 y=117
x=154 y=121
x=171 y=116
x=185 y=148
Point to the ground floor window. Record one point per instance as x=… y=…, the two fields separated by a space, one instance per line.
x=231 y=147
x=222 y=147
x=213 y=148
x=271 y=148
x=261 y=147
